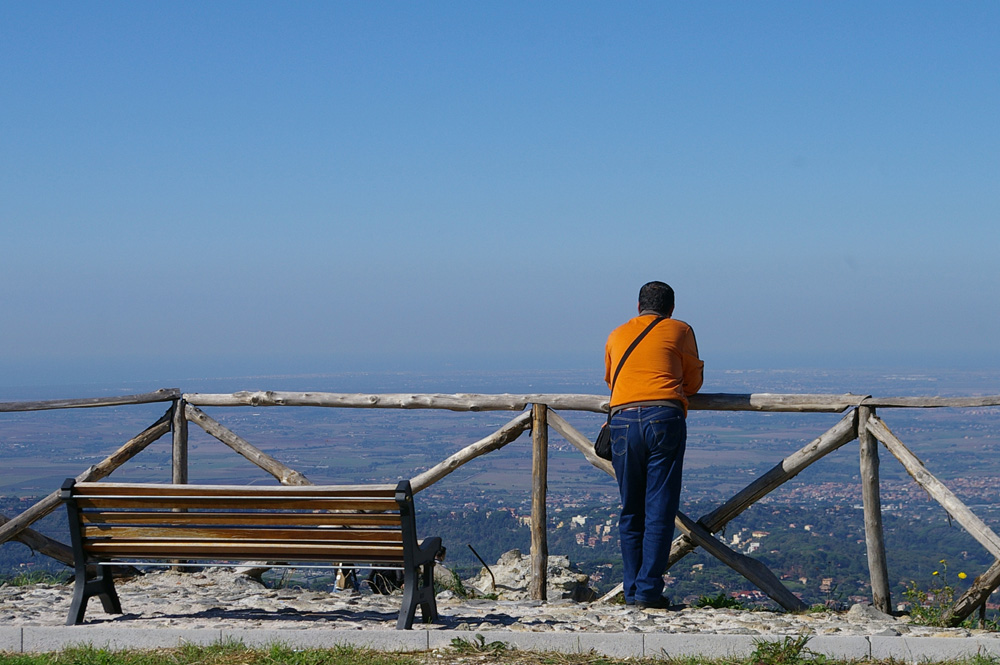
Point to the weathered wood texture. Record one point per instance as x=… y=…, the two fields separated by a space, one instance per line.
x=495 y=441
x=539 y=490
x=456 y=402
x=101 y=470
x=163 y=395
x=284 y=474
x=874 y=542
x=975 y=596
x=773 y=402
x=935 y=488
x=579 y=441
x=179 y=456
x=753 y=570
x=508 y=402
x=933 y=402
x=43 y=544
x=477 y=402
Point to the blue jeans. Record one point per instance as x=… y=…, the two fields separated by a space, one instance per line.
x=648 y=454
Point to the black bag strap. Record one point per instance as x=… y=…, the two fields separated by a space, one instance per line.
x=625 y=356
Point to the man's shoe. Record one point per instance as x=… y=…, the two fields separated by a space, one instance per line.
x=660 y=603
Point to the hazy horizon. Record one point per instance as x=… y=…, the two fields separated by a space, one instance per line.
x=879 y=381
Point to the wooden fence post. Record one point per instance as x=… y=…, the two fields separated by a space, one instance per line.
x=539 y=486
x=874 y=538
x=179 y=425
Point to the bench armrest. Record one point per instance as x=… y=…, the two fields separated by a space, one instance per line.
x=427 y=550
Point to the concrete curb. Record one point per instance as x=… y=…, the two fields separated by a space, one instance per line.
x=35 y=639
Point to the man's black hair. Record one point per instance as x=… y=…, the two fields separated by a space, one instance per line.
x=658 y=297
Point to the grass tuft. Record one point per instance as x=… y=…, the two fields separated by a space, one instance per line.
x=479 y=646
x=35 y=577
x=789 y=651
x=722 y=601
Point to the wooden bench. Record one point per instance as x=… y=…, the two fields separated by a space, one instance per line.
x=362 y=526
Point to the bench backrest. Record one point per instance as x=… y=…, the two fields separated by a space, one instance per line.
x=344 y=524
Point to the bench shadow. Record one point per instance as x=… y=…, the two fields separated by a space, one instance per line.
x=349 y=615
x=253 y=614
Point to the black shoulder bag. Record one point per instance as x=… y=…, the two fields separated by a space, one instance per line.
x=602 y=447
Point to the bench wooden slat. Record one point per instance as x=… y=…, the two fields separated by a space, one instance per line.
x=235 y=503
x=288 y=519
x=245 y=533
x=150 y=489
x=195 y=549
x=329 y=526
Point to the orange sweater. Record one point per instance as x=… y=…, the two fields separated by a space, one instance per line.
x=665 y=364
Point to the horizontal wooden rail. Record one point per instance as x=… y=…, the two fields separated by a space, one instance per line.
x=933 y=402
x=162 y=395
x=777 y=402
x=796 y=403
x=457 y=402
x=508 y=402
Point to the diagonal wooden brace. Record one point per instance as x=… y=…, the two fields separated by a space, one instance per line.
x=749 y=568
x=975 y=597
x=133 y=447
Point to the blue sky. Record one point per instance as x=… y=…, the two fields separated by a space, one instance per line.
x=198 y=189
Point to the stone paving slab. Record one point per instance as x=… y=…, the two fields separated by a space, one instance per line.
x=718 y=646
x=322 y=638
x=914 y=649
x=35 y=639
x=56 y=638
x=620 y=645
x=854 y=647
x=10 y=639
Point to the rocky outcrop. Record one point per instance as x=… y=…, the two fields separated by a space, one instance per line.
x=513 y=577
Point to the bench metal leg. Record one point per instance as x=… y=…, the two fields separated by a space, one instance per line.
x=418 y=590
x=428 y=605
x=102 y=586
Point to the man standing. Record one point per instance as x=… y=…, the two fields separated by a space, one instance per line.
x=648 y=435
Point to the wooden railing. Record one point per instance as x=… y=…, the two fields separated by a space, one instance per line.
x=540 y=413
